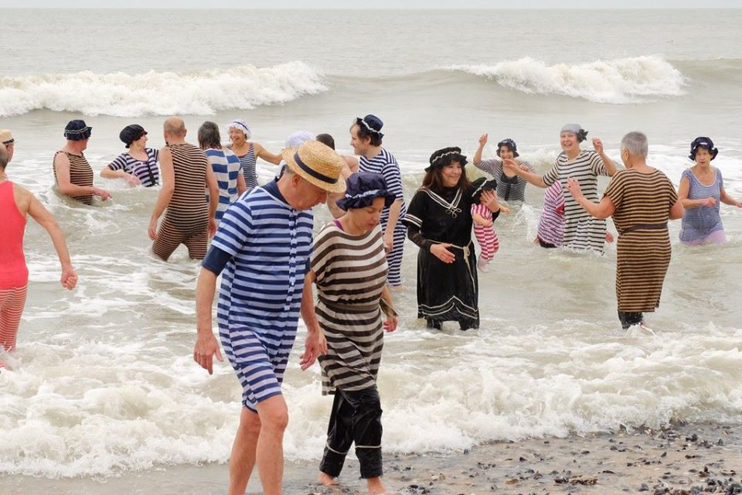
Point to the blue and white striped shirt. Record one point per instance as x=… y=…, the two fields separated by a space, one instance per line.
x=226 y=167
x=269 y=243
x=385 y=164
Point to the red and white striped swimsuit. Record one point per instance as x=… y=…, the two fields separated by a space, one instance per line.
x=13 y=270
x=486 y=236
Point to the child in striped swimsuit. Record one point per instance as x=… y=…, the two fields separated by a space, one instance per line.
x=484 y=230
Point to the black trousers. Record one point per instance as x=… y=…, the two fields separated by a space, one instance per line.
x=628 y=319
x=356 y=417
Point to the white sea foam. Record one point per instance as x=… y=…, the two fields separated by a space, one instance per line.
x=159 y=93
x=624 y=80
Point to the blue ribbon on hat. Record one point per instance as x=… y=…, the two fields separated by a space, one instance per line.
x=313 y=172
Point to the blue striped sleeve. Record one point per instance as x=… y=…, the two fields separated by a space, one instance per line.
x=119 y=163
x=393 y=179
x=235 y=228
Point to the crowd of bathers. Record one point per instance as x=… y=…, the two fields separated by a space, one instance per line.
x=260 y=240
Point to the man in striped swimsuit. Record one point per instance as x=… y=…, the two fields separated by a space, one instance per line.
x=263 y=246
x=189 y=219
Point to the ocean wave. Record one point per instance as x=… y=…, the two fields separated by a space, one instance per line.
x=119 y=94
x=625 y=80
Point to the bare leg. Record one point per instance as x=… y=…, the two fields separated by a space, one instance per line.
x=375 y=486
x=274 y=417
x=242 y=459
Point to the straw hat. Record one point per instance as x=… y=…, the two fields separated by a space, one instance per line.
x=318 y=164
x=6 y=137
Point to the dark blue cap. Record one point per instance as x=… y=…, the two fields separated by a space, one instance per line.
x=362 y=188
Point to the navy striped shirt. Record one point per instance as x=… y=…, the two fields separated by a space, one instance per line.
x=269 y=243
x=385 y=164
x=145 y=171
x=226 y=167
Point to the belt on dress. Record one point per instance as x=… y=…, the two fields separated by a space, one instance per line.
x=340 y=307
x=466 y=249
x=643 y=226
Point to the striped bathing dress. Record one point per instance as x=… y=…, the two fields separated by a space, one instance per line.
x=81 y=174
x=700 y=222
x=551 y=223
x=581 y=230
x=226 y=167
x=144 y=170
x=187 y=216
x=385 y=164
x=13 y=270
x=268 y=243
x=351 y=275
x=643 y=203
x=249 y=167
x=508 y=188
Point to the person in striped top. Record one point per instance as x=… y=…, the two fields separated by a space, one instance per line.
x=189 y=219
x=366 y=140
x=551 y=223
x=138 y=165
x=248 y=152
x=349 y=267
x=262 y=250
x=581 y=231
x=510 y=187
x=484 y=229
x=72 y=172
x=226 y=167
x=641 y=200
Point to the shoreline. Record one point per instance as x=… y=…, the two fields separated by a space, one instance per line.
x=678 y=459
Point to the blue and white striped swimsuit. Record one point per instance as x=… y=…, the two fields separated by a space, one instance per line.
x=260 y=297
x=385 y=164
x=226 y=167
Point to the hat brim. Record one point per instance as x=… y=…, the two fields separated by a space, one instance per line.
x=337 y=187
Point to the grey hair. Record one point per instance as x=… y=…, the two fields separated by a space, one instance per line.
x=208 y=136
x=636 y=144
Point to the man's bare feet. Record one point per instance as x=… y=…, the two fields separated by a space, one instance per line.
x=326 y=479
x=375 y=486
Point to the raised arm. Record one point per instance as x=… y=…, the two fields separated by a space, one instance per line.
x=610 y=165
x=46 y=220
x=478 y=154
x=266 y=155
x=166 y=191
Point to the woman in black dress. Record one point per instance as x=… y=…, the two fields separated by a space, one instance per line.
x=439 y=221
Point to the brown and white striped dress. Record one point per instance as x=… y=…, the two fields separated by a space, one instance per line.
x=187 y=216
x=81 y=174
x=351 y=274
x=643 y=203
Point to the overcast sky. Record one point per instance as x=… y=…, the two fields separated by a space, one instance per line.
x=413 y=4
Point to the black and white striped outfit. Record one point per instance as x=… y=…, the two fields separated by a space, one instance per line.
x=581 y=230
x=144 y=170
x=249 y=167
x=385 y=164
x=351 y=273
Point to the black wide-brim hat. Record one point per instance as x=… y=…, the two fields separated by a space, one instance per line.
x=702 y=142
x=362 y=188
x=444 y=156
x=77 y=130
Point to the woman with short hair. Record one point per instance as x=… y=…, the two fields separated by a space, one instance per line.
x=510 y=187
x=641 y=200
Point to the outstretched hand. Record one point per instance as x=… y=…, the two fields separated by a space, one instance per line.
x=598 y=145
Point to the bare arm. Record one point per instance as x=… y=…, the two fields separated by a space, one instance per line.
x=316 y=344
x=64 y=186
x=610 y=165
x=241 y=184
x=601 y=210
x=530 y=177
x=728 y=200
x=478 y=154
x=213 y=187
x=266 y=155
x=676 y=211
x=46 y=220
x=479 y=219
x=391 y=224
x=206 y=345
x=684 y=190
x=166 y=191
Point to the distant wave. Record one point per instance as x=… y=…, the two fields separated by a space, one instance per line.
x=625 y=80
x=159 y=93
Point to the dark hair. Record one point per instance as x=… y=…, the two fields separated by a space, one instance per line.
x=208 y=136
x=364 y=132
x=433 y=179
x=326 y=139
x=3 y=157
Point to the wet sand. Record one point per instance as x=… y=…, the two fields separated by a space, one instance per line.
x=677 y=460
